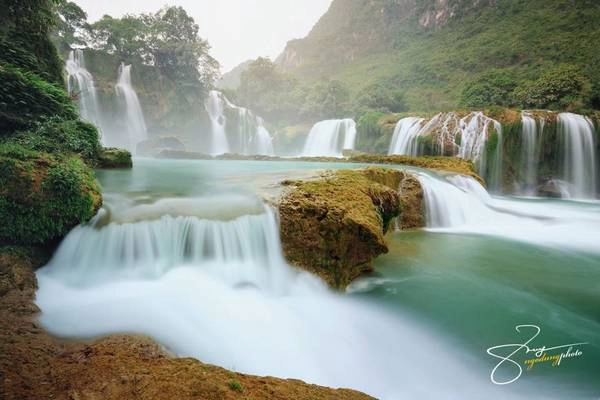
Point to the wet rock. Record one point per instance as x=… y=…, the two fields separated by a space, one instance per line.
x=335 y=226
x=112 y=158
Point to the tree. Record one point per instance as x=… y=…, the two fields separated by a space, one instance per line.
x=562 y=87
x=71 y=23
x=327 y=99
x=381 y=97
x=494 y=88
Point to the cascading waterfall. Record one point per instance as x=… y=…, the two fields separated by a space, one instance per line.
x=579 y=162
x=404 y=140
x=253 y=137
x=529 y=153
x=329 y=138
x=80 y=83
x=194 y=284
x=135 y=123
x=460 y=204
x=215 y=107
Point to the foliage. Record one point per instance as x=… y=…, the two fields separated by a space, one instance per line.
x=559 y=88
x=167 y=40
x=24 y=31
x=43 y=196
x=56 y=135
x=26 y=98
x=114 y=158
x=386 y=42
x=370 y=131
x=491 y=88
x=71 y=24
x=235 y=385
x=327 y=99
x=381 y=97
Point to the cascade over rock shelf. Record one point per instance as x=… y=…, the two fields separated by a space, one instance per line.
x=116 y=367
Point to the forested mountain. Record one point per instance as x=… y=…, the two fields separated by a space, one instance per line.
x=443 y=54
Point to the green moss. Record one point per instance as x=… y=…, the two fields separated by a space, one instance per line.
x=114 y=158
x=26 y=98
x=43 y=196
x=62 y=136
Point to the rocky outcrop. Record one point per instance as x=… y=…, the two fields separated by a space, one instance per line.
x=43 y=196
x=111 y=158
x=334 y=226
x=34 y=365
x=154 y=146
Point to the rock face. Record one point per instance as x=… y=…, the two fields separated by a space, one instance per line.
x=33 y=365
x=334 y=226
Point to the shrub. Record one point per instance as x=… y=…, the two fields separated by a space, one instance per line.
x=492 y=88
x=383 y=98
x=560 y=88
x=63 y=136
x=235 y=386
x=25 y=98
x=42 y=196
x=369 y=131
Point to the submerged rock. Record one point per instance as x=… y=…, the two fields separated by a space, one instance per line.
x=334 y=226
x=112 y=158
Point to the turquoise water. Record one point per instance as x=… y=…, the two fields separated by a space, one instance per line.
x=417 y=328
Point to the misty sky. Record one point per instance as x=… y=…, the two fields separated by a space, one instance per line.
x=238 y=30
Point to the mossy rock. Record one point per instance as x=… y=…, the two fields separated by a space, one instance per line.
x=112 y=158
x=43 y=196
x=335 y=226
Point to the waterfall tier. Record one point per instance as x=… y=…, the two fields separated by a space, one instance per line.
x=330 y=138
x=134 y=117
x=80 y=84
x=236 y=129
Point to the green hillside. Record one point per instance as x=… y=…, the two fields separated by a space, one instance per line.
x=444 y=54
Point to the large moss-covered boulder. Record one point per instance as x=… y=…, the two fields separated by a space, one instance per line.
x=334 y=226
x=43 y=196
x=110 y=158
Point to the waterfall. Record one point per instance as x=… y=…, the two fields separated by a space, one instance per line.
x=579 y=162
x=253 y=137
x=529 y=154
x=404 y=141
x=459 y=204
x=135 y=123
x=329 y=138
x=219 y=290
x=215 y=108
x=80 y=83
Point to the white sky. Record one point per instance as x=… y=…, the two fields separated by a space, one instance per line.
x=237 y=30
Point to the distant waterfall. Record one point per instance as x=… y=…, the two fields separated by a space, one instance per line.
x=80 y=84
x=404 y=140
x=529 y=153
x=579 y=162
x=242 y=132
x=329 y=138
x=253 y=138
x=135 y=123
x=215 y=108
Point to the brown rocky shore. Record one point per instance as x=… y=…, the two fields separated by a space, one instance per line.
x=35 y=365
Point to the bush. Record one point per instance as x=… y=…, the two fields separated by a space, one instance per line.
x=369 y=131
x=382 y=98
x=25 y=98
x=494 y=88
x=63 y=136
x=560 y=88
x=42 y=197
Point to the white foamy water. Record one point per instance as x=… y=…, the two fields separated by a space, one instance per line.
x=460 y=204
x=219 y=290
x=136 y=130
x=330 y=138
